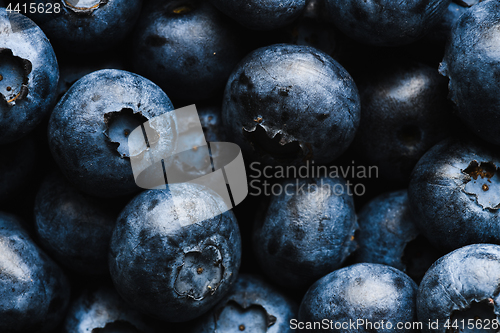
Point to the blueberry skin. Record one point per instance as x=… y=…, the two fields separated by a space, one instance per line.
x=285 y=104
x=166 y=264
x=388 y=235
x=461 y=285
x=89 y=127
x=73 y=227
x=262 y=14
x=34 y=292
x=28 y=76
x=187 y=47
x=385 y=228
x=371 y=292
x=252 y=306
x=404 y=113
x=86 y=26
x=453 y=194
x=472 y=63
x=102 y=310
x=385 y=22
x=17 y=167
x=305 y=235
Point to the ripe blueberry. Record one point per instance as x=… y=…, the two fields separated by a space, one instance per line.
x=304 y=235
x=89 y=129
x=252 y=306
x=369 y=292
x=28 y=76
x=166 y=261
x=73 y=227
x=461 y=289
x=472 y=63
x=34 y=292
x=454 y=194
x=285 y=104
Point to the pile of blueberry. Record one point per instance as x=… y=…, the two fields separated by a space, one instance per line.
x=396 y=100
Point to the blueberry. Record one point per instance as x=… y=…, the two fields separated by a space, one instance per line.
x=385 y=22
x=472 y=63
x=34 y=292
x=17 y=167
x=306 y=232
x=369 y=292
x=167 y=259
x=85 y=26
x=252 y=306
x=28 y=76
x=461 y=289
x=89 y=129
x=404 y=112
x=102 y=310
x=285 y=104
x=262 y=14
x=74 y=228
x=187 y=47
x=454 y=194
x=388 y=235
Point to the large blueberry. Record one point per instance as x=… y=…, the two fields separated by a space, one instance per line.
x=404 y=112
x=85 y=26
x=262 y=14
x=306 y=232
x=285 y=104
x=34 y=292
x=73 y=227
x=386 y=22
x=388 y=235
x=102 y=310
x=187 y=47
x=459 y=293
x=89 y=129
x=365 y=294
x=472 y=63
x=28 y=76
x=175 y=253
x=454 y=194
x=252 y=306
